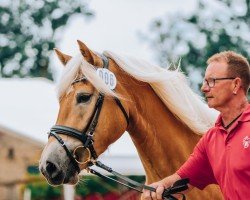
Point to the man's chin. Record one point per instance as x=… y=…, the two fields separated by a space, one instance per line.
x=214 y=106
x=210 y=104
x=209 y=101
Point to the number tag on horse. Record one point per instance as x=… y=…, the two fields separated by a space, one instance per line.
x=108 y=77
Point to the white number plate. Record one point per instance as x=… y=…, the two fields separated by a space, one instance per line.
x=108 y=77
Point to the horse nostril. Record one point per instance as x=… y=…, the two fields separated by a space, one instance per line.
x=52 y=169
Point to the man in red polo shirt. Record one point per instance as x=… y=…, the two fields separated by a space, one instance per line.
x=222 y=156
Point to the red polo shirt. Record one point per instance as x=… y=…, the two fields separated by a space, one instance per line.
x=222 y=158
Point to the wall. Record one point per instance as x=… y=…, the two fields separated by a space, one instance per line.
x=17 y=152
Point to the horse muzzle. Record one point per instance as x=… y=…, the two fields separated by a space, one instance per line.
x=56 y=167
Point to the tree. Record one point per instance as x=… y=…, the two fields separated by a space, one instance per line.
x=215 y=26
x=27 y=34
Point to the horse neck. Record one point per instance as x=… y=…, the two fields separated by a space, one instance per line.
x=162 y=141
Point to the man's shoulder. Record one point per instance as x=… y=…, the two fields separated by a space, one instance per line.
x=211 y=133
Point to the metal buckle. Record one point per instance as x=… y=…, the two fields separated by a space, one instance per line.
x=80 y=153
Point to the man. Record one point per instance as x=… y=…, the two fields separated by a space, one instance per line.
x=222 y=156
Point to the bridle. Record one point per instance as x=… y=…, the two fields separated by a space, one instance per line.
x=86 y=136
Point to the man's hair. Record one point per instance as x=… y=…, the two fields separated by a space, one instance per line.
x=238 y=66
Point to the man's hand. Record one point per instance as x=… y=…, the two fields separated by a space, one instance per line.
x=159 y=186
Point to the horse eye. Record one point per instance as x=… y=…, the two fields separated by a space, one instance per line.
x=83 y=98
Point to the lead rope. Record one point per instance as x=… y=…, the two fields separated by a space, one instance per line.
x=177 y=187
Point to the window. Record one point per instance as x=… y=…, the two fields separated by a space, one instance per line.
x=11 y=154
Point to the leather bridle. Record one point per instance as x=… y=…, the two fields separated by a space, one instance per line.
x=85 y=136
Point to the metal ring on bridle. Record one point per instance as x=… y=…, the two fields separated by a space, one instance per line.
x=85 y=149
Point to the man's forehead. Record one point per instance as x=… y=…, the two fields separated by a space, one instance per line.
x=216 y=68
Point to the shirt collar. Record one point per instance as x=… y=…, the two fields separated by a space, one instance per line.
x=245 y=115
x=243 y=118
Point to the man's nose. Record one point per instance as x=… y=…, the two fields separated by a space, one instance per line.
x=205 y=87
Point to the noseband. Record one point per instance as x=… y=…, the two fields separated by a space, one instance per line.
x=86 y=136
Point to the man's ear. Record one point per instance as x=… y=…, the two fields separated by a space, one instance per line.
x=62 y=57
x=237 y=84
x=88 y=55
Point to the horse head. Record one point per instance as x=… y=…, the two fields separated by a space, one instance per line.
x=90 y=118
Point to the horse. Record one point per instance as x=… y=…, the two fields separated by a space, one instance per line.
x=156 y=106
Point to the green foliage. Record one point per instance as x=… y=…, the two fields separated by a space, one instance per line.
x=41 y=191
x=33 y=170
x=215 y=26
x=87 y=186
x=27 y=34
x=93 y=184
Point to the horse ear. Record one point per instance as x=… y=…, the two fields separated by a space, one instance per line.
x=88 y=55
x=62 y=57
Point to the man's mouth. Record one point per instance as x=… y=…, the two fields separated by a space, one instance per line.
x=208 y=98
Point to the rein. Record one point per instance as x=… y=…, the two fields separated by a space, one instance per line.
x=86 y=137
x=167 y=194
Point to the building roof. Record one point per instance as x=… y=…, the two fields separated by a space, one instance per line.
x=17 y=135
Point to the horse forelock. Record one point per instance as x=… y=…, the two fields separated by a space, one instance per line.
x=77 y=67
x=172 y=88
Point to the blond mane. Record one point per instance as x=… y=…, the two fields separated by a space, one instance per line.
x=171 y=87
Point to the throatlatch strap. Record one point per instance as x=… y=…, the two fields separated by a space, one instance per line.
x=122 y=109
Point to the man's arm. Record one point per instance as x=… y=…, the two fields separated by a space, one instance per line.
x=197 y=168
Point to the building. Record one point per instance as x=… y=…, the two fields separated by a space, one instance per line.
x=19 y=157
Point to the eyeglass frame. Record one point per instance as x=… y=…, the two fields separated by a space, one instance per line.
x=205 y=81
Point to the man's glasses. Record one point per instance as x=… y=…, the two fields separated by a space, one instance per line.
x=211 y=81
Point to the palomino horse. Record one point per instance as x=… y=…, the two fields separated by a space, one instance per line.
x=162 y=115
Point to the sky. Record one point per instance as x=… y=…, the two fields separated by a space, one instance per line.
x=116 y=27
x=30 y=106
